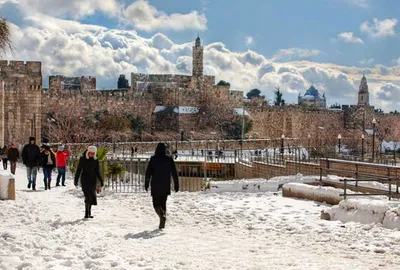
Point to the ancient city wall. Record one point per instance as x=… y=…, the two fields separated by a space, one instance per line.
x=22 y=100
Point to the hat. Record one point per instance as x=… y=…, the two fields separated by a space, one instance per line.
x=91 y=149
x=60 y=148
x=32 y=139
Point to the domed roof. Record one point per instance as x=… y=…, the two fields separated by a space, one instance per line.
x=312 y=91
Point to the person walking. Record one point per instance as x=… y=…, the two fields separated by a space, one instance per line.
x=48 y=163
x=4 y=157
x=13 y=156
x=88 y=172
x=158 y=175
x=31 y=159
x=61 y=160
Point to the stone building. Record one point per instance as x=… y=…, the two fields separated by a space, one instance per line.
x=312 y=98
x=20 y=101
x=363 y=93
x=61 y=83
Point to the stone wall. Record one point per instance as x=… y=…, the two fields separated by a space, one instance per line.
x=61 y=83
x=22 y=100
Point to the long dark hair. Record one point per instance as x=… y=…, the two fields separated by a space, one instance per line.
x=160 y=150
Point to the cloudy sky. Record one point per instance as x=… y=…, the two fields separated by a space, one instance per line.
x=251 y=44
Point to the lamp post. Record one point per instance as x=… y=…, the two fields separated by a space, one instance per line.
x=362 y=147
x=309 y=147
x=282 y=145
x=373 y=139
x=339 y=137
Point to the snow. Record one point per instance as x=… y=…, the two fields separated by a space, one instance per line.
x=159 y=109
x=186 y=110
x=367 y=211
x=314 y=191
x=204 y=230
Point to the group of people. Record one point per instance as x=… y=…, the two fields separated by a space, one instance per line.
x=9 y=155
x=158 y=173
x=158 y=176
x=34 y=157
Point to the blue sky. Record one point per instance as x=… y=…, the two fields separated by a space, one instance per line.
x=276 y=24
x=251 y=44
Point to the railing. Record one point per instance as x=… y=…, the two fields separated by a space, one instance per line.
x=378 y=192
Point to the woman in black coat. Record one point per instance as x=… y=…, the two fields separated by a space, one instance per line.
x=158 y=174
x=48 y=161
x=89 y=170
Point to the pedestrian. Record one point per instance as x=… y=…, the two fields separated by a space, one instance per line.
x=88 y=172
x=48 y=163
x=31 y=159
x=158 y=175
x=13 y=156
x=132 y=151
x=61 y=160
x=4 y=156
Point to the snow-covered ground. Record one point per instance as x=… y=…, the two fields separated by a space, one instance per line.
x=205 y=230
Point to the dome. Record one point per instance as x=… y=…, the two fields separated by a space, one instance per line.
x=198 y=42
x=312 y=91
x=363 y=89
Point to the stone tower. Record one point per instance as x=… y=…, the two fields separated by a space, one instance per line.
x=20 y=101
x=197 y=58
x=363 y=94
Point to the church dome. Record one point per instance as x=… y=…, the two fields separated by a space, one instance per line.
x=312 y=91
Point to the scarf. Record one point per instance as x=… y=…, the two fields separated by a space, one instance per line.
x=49 y=161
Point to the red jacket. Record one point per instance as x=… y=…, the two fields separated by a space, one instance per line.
x=61 y=158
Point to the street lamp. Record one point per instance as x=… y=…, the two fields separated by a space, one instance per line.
x=362 y=147
x=339 y=137
x=373 y=139
x=309 y=146
x=282 y=145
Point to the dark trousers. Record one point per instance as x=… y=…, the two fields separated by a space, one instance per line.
x=160 y=204
x=5 y=163
x=47 y=177
x=61 y=175
x=13 y=165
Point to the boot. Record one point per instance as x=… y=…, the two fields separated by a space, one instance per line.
x=33 y=186
x=86 y=210
x=48 y=184
x=45 y=184
x=161 y=215
x=90 y=211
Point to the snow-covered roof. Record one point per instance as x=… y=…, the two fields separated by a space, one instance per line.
x=186 y=110
x=159 y=109
x=179 y=110
x=239 y=111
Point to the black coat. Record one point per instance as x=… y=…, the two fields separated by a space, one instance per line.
x=88 y=170
x=31 y=155
x=159 y=173
x=13 y=154
x=45 y=160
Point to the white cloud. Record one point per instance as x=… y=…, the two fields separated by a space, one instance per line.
x=73 y=8
x=288 y=54
x=367 y=61
x=350 y=38
x=147 y=18
x=359 y=3
x=74 y=49
x=397 y=61
x=249 y=40
x=380 y=29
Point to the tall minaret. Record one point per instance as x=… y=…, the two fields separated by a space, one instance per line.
x=363 y=94
x=197 y=58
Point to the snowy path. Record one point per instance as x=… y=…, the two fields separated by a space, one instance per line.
x=45 y=230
